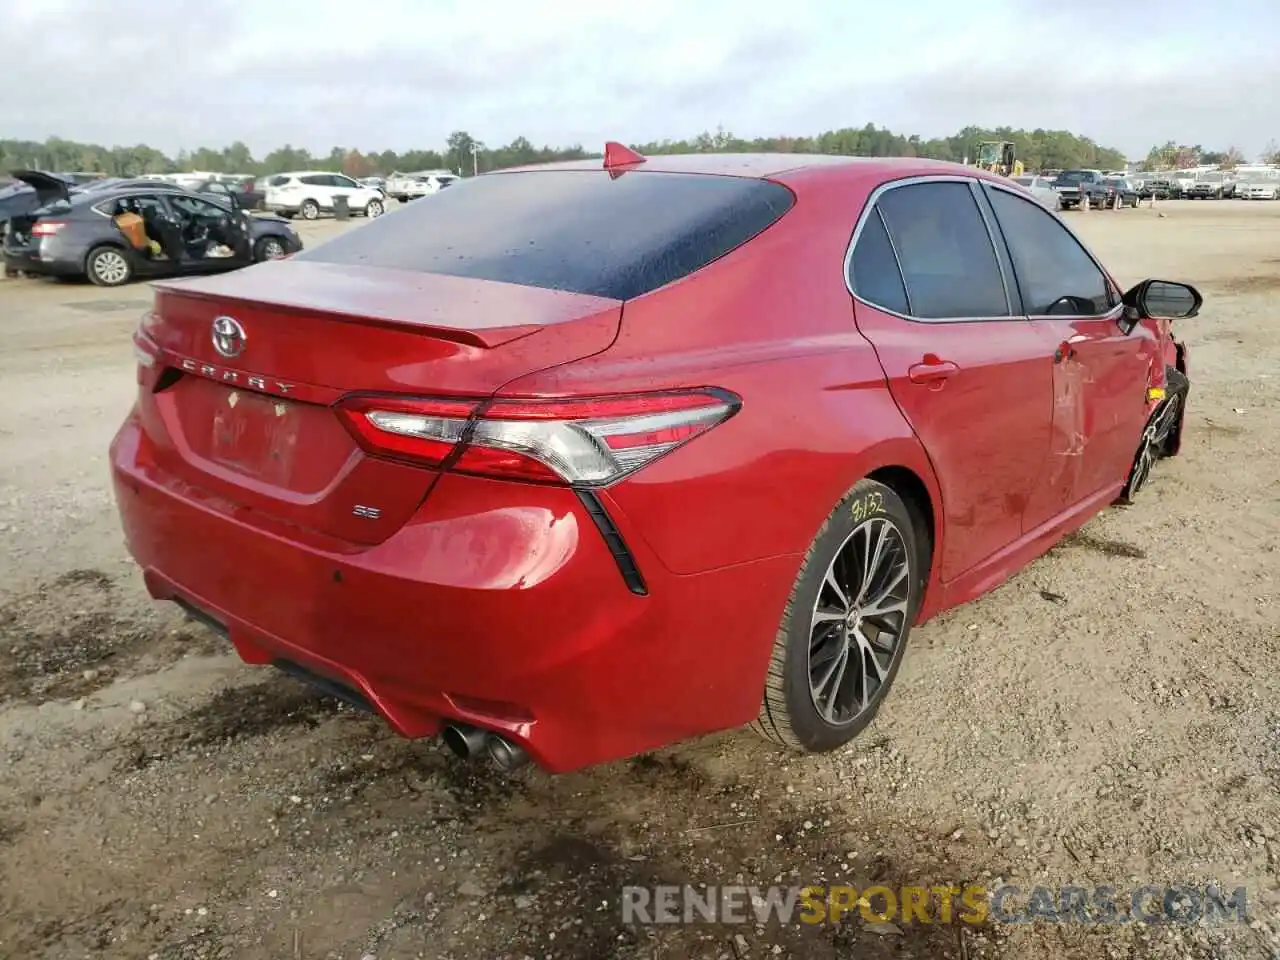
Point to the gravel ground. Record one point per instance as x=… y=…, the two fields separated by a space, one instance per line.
x=1109 y=716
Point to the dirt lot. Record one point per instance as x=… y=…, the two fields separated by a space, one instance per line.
x=1111 y=716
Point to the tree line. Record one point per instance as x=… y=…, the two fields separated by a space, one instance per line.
x=1181 y=156
x=1038 y=149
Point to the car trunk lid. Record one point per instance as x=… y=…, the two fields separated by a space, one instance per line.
x=245 y=408
x=33 y=190
x=48 y=187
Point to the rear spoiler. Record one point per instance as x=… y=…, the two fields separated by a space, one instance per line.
x=495 y=313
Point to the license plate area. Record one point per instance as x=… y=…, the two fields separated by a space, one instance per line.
x=255 y=435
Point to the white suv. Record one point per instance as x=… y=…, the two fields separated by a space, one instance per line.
x=308 y=193
x=410 y=186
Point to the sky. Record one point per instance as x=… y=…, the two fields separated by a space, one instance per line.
x=402 y=75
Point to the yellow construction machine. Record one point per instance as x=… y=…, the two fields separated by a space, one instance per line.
x=998 y=156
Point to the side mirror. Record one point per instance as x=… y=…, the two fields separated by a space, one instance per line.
x=1160 y=299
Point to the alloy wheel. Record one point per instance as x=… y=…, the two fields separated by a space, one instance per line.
x=858 y=621
x=374 y=209
x=110 y=267
x=272 y=249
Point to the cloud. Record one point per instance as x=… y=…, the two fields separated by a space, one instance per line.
x=403 y=74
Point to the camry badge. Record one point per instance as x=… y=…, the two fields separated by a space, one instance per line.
x=228 y=336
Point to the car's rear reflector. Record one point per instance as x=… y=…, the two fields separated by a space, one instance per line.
x=47 y=228
x=582 y=442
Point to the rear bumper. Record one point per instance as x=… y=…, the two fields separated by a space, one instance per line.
x=60 y=255
x=498 y=604
x=29 y=260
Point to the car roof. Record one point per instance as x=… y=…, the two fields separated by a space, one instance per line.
x=773 y=166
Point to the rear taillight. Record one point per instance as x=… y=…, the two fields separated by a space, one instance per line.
x=146 y=353
x=587 y=441
x=47 y=228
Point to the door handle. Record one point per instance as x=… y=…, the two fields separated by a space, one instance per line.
x=932 y=370
x=1065 y=351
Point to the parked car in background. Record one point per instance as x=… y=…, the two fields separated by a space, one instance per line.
x=309 y=193
x=1074 y=186
x=244 y=191
x=1211 y=186
x=66 y=234
x=1120 y=193
x=82 y=179
x=411 y=186
x=1042 y=189
x=1258 y=190
x=515 y=510
x=1159 y=187
x=377 y=183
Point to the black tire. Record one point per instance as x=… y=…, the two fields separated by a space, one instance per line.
x=374 y=209
x=310 y=210
x=1178 y=386
x=268 y=248
x=789 y=715
x=1161 y=437
x=108 y=266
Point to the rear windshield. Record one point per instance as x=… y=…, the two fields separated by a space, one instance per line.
x=575 y=230
x=1073 y=176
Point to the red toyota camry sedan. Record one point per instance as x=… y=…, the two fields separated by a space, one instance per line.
x=574 y=461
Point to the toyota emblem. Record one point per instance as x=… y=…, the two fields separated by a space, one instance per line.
x=228 y=336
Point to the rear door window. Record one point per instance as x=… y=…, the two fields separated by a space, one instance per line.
x=581 y=231
x=948 y=262
x=147 y=205
x=874 y=274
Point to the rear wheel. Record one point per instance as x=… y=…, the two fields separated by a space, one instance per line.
x=845 y=627
x=310 y=210
x=108 y=267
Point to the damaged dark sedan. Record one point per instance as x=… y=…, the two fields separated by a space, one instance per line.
x=131 y=230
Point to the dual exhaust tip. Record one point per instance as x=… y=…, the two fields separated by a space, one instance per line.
x=468 y=743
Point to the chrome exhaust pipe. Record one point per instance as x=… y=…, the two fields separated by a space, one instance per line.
x=465 y=741
x=506 y=755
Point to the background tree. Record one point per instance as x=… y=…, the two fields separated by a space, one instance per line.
x=355 y=165
x=459 y=150
x=1037 y=149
